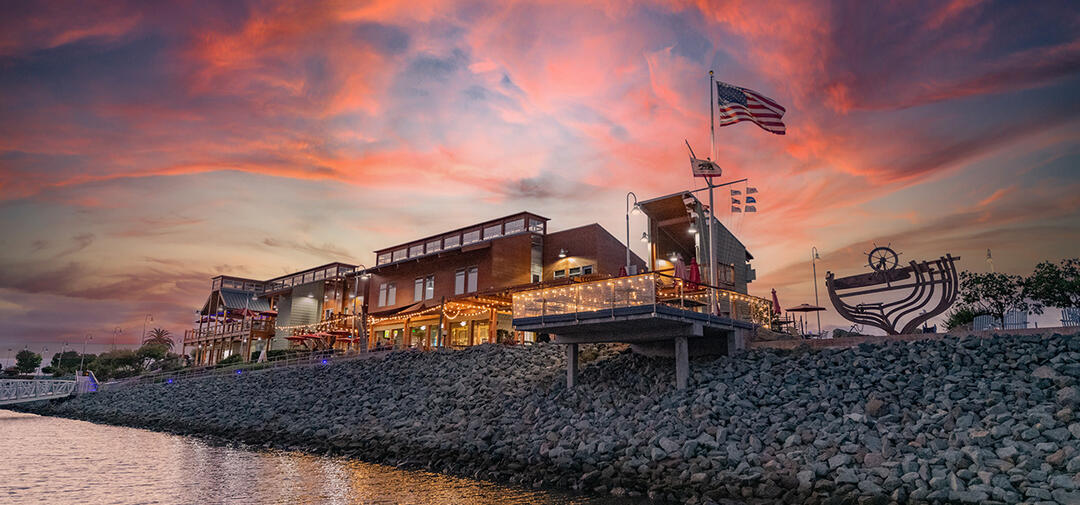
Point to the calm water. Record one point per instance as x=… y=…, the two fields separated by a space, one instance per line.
x=53 y=460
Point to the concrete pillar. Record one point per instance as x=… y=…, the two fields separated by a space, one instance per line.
x=682 y=362
x=571 y=365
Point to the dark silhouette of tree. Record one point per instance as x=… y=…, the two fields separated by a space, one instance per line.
x=1053 y=285
x=993 y=293
x=159 y=336
x=27 y=361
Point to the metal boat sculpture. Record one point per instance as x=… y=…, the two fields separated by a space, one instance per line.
x=921 y=290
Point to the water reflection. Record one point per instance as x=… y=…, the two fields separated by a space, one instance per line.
x=44 y=459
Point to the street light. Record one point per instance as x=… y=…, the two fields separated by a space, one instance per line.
x=644 y=237
x=83 y=355
x=358 y=322
x=636 y=209
x=813 y=261
x=117 y=331
x=145 y=319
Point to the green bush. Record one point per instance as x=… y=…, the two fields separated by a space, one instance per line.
x=231 y=360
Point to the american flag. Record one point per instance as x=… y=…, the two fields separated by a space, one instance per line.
x=741 y=104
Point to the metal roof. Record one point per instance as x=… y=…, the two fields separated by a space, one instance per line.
x=236 y=299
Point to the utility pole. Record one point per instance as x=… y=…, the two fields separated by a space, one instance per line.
x=813 y=261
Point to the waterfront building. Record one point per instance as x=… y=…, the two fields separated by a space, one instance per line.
x=452 y=289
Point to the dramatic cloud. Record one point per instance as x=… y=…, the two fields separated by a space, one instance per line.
x=146 y=146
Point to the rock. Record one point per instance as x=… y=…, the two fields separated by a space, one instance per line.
x=1007 y=452
x=806 y=479
x=1069 y=396
x=1074 y=429
x=846 y=476
x=839 y=460
x=669 y=446
x=874 y=406
x=1045 y=372
x=1064 y=497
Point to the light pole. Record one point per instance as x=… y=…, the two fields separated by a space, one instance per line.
x=636 y=209
x=813 y=261
x=116 y=333
x=358 y=320
x=83 y=355
x=44 y=351
x=145 y=319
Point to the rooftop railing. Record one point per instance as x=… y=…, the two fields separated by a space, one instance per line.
x=638 y=290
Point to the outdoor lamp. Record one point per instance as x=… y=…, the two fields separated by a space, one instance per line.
x=693 y=229
x=636 y=210
x=562 y=253
x=463 y=323
x=644 y=237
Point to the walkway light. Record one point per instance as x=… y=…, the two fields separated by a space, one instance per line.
x=645 y=237
x=693 y=229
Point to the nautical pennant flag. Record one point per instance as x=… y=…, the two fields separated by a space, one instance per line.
x=735 y=192
x=751 y=191
x=735 y=201
x=751 y=199
x=735 y=209
x=751 y=208
x=741 y=104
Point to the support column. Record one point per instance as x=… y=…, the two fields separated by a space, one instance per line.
x=682 y=362
x=493 y=322
x=571 y=365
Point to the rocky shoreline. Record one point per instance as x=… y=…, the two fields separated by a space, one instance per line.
x=969 y=420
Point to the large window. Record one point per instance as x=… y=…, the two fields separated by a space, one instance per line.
x=536 y=225
x=515 y=226
x=416 y=250
x=399 y=254
x=429 y=287
x=459 y=282
x=470 y=237
x=384 y=258
x=433 y=246
x=387 y=294
x=473 y=271
x=492 y=231
x=451 y=241
x=418 y=289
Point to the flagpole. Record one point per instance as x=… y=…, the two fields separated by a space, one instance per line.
x=712 y=208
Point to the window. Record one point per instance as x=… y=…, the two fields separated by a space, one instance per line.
x=429 y=287
x=575 y=271
x=515 y=226
x=536 y=225
x=559 y=274
x=492 y=231
x=433 y=246
x=451 y=241
x=473 y=273
x=535 y=278
x=399 y=254
x=382 y=294
x=586 y=270
x=320 y=275
x=383 y=258
x=416 y=250
x=391 y=294
x=459 y=282
x=418 y=289
x=470 y=237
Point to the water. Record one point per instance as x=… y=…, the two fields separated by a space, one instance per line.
x=54 y=460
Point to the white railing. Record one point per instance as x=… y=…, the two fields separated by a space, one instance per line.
x=22 y=390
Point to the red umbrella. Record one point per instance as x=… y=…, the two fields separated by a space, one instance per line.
x=622 y=271
x=695 y=274
x=775 y=303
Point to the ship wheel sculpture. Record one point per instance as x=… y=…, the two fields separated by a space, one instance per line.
x=932 y=290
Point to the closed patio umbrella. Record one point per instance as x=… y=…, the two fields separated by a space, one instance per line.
x=775 y=303
x=695 y=274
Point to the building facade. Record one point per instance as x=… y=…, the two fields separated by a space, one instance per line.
x=452 y=289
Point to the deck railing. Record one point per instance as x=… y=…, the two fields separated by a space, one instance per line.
x=228 y=329
x=636 y=290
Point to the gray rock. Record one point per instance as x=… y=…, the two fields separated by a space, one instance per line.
x=1069 y=396
x=1064 y=497
x=839 y=460
x=1007 y=452
x=846 y=476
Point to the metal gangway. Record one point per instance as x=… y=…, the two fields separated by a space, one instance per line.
x=33 y=390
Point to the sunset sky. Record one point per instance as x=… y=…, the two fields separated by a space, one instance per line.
x=146 y=147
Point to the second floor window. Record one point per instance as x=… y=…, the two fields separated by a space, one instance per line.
x=387 y=294
x=465 y=280
x=418 y=289
x=473 y=271
x=459 y=282
x=429 y=287
x=424 y=288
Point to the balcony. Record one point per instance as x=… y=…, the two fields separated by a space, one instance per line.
x=258 y=327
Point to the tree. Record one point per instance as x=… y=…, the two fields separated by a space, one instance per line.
x=960 y=316
x=67 y=362
x=27 y=361
x=1052 y=285
x=159 y=336
x=993 y=293
x=115 y=364
x=150 y=354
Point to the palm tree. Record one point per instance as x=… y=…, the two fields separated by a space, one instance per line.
x=159 y=336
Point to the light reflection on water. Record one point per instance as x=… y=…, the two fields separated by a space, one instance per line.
x=53 y=460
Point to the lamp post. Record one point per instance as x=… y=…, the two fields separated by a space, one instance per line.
x=813 y=262
x=358 y=320
x=83 y=355
x=145 y=319
x=635 y=209
x=117 y=331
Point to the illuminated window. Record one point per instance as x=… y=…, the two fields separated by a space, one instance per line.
x=575 y=271
x=384 y=258
x=559 y=274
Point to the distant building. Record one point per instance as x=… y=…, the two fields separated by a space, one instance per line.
x=457 y=281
